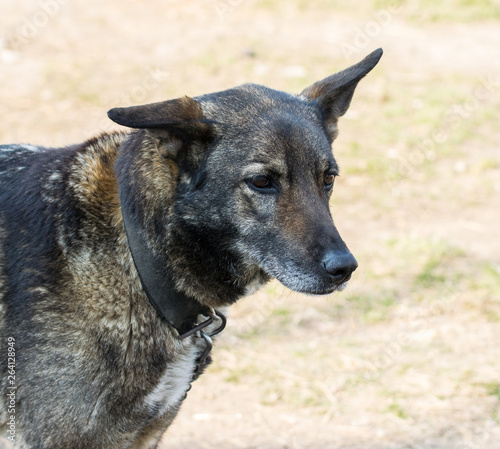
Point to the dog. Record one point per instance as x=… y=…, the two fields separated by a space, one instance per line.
x=118 y=256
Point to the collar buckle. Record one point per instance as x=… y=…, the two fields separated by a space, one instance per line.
x=213 y=315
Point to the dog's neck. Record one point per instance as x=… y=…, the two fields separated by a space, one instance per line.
x=174 y=307
x=199 y=261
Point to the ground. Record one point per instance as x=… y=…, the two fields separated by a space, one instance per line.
x=407 y=357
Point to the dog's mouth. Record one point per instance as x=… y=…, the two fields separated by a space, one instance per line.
x=310 y=284
x=325 y=291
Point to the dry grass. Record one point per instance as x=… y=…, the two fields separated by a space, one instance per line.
x=407 y=357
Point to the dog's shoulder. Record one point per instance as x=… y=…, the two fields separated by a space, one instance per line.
x=50 y=196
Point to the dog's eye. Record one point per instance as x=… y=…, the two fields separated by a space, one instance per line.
x=329 y=180
x=260 y=182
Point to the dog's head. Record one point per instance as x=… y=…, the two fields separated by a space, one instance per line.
x=255 y=173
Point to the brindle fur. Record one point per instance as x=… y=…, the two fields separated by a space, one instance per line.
x=95 y=365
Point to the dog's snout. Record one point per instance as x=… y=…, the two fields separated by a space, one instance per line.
x=340 y=266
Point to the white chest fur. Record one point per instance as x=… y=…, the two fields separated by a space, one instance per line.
x=175 y=380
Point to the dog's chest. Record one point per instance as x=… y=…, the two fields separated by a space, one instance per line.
x=174 y=382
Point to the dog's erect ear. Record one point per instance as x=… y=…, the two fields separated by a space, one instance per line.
x=334 y=94
x=181 y=118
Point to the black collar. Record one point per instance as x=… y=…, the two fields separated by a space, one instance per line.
x=174 y=307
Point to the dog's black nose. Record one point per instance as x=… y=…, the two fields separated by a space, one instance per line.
x=340 y=265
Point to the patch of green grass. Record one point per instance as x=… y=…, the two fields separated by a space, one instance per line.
x=301 y=353
x=491 y=275
x=420 y=125
x=443 y=11
x=272 y=289
x=488 y=277
x=297 y=394
x=420 y=269
x=432 y=261
x=492 y=389
x=371 y=307
x=281 y=312
x=233 y=377
x=485 y=284
x=304 y=5
x=429 y=276
x=373 y=166
x=487 y=164
x=404 y=367
x=414 y=10
x=280 y=317
x=397 y=410
x=236 y=374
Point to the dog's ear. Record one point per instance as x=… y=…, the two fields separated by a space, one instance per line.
x=179 y=119
x=334 y=94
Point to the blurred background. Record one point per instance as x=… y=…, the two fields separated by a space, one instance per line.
x=408 y=356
